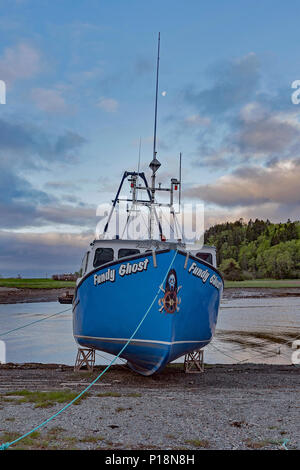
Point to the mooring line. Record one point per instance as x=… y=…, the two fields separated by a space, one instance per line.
x=35 y=321
x=228 y=355
x=8 y=444
x=284 y=444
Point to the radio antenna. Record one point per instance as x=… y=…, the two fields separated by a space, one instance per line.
x=139 y=161
x=156 y=95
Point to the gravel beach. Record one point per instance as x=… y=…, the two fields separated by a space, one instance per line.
x=226 y=407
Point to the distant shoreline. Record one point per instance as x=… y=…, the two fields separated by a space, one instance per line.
x=14 y=295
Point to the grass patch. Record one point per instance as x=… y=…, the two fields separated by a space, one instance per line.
x=9 y=436
x=35 y=283
x=30 y=440
x=46 y=399
x=257 y=444
x=267 y=283
x=7 y=400
x=134 y=395
x=198 y=443
x=27 y=441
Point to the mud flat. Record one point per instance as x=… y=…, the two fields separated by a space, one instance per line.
x=226 y=407
x=260 y=292
x=12 y=295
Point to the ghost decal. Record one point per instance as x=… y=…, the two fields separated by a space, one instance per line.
x=170 y=301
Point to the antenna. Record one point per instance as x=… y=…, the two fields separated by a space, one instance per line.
x=139 y=162
x=139 y=166
x=156 y=95
x=155 y=164
x=179 y=201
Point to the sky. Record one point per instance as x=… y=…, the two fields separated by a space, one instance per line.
x=80 y=86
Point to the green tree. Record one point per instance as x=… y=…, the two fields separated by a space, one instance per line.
x=231 y=270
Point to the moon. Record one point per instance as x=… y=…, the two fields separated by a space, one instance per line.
x=164 y=93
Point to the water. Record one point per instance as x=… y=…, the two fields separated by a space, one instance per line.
x=249 y=330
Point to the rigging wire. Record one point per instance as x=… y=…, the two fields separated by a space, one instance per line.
x=35 y=321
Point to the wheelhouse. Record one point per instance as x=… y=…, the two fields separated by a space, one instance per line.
x=106 y=251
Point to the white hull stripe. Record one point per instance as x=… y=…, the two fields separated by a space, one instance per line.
x=141 y=340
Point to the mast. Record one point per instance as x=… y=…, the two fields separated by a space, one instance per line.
x=155 y=164
x=156 y=97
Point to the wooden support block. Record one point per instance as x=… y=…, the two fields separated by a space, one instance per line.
x=193 y=362
x=85 y=358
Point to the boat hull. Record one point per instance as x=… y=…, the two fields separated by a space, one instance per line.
x=111 y=301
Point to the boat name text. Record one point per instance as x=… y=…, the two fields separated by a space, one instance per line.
x=204 y=275
x=124 y=270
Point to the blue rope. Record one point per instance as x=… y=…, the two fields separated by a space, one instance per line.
x=8 y=444
x=285 y=443
x=35 y=321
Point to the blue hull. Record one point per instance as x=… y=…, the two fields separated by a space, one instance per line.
x=110 y=302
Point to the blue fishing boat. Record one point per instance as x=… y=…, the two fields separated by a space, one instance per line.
x=177 y=285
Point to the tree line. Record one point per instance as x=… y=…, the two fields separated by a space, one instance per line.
x=257 y=249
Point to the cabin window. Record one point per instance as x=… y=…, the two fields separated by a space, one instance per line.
x=205 y=256
x=86 y=262
x=102 y=256
x=123 y=252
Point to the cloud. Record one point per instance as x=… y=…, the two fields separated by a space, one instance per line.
x=25 y=146
x=22 y=205
x=143 y=66
x=62 y=185
x=22 y=144
x=14 y=187
x=249 y=186
x=263 y=132
x=21 y=61
x=67 y=142
x=234 y=84
x=195 y=120
x=49 y=100
x=108 y=104
x=274 y=212
x=18 y=214
x=247 y=122
x=42 y=252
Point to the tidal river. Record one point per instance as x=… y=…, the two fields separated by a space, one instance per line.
x=258 y=330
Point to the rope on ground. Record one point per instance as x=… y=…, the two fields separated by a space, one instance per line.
x=283 y=445
x=258 y=354
x=35 y=321
x=228 y=355
x=8 y=444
